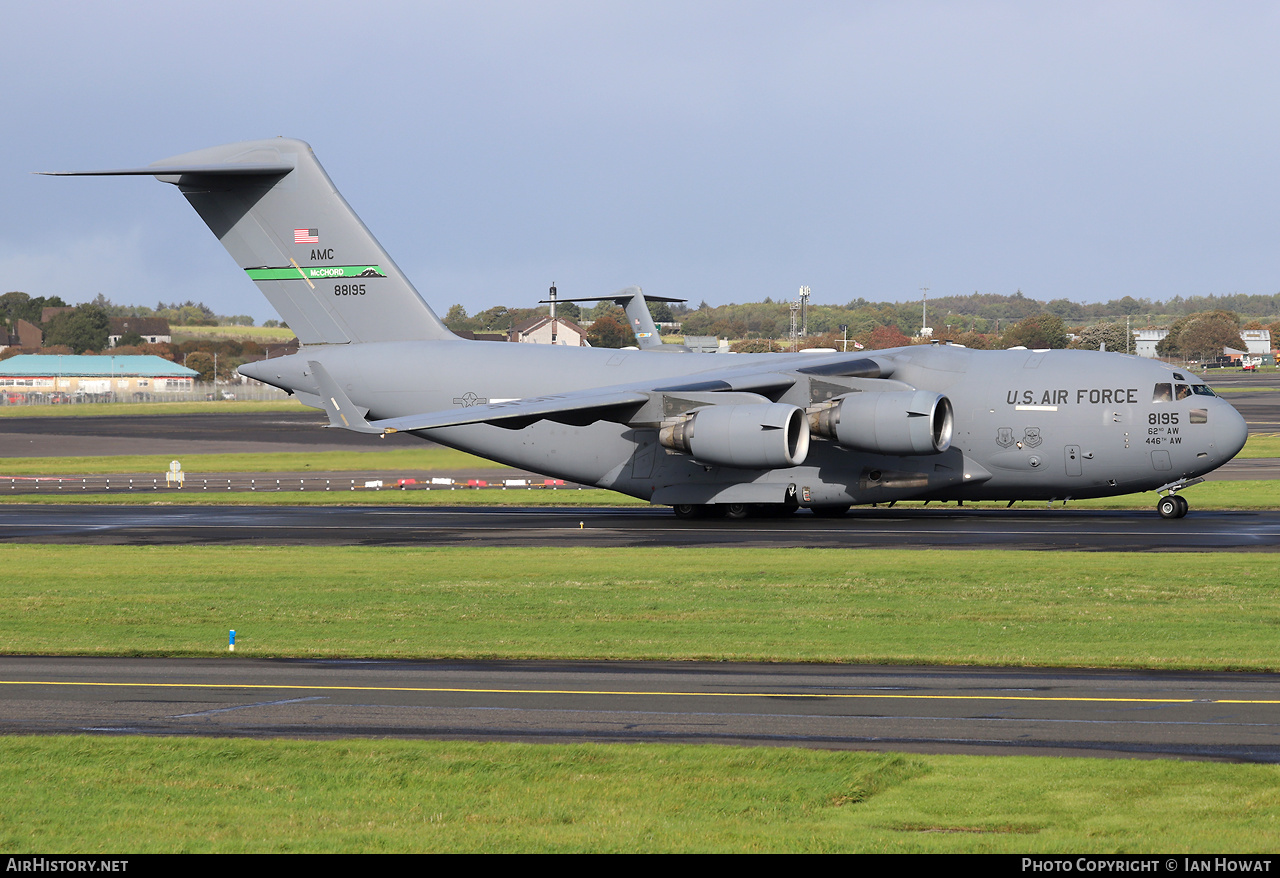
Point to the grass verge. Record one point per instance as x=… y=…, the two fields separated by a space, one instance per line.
x=427 y=457
x=105 y=795
x=1210 y=611
x=261 y=334
x=1261 y=445
x=340 y=495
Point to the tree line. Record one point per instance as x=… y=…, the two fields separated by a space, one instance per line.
x=85 y=329
x=1199 y=326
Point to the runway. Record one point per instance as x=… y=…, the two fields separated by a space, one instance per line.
x=181 y=435
x=937 y=710
x=1027 y=529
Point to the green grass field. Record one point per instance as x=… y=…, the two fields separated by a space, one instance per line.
x=1200 y=611
x=111 y=795
x=88 y=794
x=260 y=334
x=1261 y=445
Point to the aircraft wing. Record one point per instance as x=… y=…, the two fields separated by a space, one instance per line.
x=572 y=408
x=586 y=406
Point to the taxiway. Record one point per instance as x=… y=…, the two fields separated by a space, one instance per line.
x=996 y=711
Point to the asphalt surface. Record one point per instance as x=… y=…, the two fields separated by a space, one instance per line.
x=937 y=528
x=178 y=435
x=936 y=710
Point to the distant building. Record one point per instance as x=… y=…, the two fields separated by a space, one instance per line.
x=154 y=330
x=1257 y=341
x=539 y=329
x=1145 y=341
x=702 y=344
x=63 y=376
x=25 y=335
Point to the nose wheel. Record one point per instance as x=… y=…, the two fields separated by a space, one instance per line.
x=1172 y=506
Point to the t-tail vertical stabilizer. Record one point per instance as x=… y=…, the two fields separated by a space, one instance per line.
x=278 y=214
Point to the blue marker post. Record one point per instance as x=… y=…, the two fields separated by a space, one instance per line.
x=231 y=647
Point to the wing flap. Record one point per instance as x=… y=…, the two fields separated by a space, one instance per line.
x=575 y=408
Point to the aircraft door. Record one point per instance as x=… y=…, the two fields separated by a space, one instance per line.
x=1074 y=466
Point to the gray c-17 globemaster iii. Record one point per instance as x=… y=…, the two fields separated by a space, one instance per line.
x=704 y=434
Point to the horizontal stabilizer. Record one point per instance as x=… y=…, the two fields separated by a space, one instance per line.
x=247 y=169
x=338 y=406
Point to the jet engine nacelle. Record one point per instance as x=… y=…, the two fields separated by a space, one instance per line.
x=893 y=422
x=764 y=436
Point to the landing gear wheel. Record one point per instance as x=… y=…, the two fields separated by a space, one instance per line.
x=736 y=511
x=829 y=511
x=687 y=511
x=1169 y=507
x=1183 y=505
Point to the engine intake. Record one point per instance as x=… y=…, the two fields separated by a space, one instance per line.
x=893 y=422
x=764 y=436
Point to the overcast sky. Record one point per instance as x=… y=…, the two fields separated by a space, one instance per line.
x=719 y=151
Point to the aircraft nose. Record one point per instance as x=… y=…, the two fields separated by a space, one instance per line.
x=1231 y=433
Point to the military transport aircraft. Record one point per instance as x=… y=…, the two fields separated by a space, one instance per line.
x=704 y=434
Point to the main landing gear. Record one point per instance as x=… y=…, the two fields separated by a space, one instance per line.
x=731 y=511
x=1172 y=506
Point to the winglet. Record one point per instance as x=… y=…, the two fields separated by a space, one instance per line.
x=338 y=406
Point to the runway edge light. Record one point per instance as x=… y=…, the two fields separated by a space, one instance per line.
x=231 y=645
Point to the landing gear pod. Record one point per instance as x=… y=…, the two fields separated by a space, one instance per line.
x=765 y=436
x=897 y=422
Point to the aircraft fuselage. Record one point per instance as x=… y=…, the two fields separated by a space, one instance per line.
x=1028 y=425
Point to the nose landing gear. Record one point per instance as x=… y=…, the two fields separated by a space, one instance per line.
x=1173 y=504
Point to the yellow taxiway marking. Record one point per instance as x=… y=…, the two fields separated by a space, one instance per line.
x=621 y=692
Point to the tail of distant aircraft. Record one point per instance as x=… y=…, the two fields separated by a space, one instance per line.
x=274 y=208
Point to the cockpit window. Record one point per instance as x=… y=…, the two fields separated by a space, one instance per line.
x=1183 y=391
x=1163 y=393
x=1202 y=390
